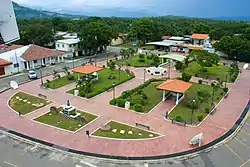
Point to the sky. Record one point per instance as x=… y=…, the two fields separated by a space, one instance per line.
x=191 y=8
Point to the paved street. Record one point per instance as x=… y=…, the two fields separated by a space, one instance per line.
x=235 y=153
x=23 y=77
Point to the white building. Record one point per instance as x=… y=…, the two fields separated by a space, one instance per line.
x=199 y=39
x=28 y=57
x=69 y=46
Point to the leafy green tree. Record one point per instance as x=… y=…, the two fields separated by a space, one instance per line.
x=94 y=35
x=142 y=30
x=202 y=96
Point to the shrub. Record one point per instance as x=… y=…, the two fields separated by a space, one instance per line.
x=179 y=66
x=200 y=81
x=200 y=117
x=138 y=107
x=233 y=78
x=129 y=64
x=178 y=118
x=225 y=89
x=48 y=81
x=71 y=77
x=149 y=57
x=141 y=56
x=103 y=66
x=141 y=60
x=113 y=101
x=121 y=102
x=186 y=77
x=207 y=110
x=196 y=75
x=203 y=69
x=111 y=77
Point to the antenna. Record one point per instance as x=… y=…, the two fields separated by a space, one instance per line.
x=8 y=24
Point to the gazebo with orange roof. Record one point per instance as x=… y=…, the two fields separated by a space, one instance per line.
x=175 y=87
x=86 y=69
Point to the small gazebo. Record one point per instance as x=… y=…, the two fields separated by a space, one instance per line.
x=86 y=70
x=175 y=87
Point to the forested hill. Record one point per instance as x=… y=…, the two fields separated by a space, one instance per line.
x=25 y=12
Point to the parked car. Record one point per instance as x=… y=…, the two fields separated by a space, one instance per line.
x=32 y=75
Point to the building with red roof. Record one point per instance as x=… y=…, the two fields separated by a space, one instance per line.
x=16 y=58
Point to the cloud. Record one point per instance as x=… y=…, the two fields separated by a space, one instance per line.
x=196 y=8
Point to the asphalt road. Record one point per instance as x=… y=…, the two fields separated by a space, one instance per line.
x=234 y=153
x=23 y=77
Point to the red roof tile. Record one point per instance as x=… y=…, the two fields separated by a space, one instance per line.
x=4 y=62
x=165 y=37
x=174 y=85
x=13 y=47
x=35 y=52
x=199 y=36
x=87 y=69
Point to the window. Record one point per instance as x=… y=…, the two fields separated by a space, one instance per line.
x=70 y=45
x=58 y=45
x=16 y=65
x=63 y=45
x=35 y=61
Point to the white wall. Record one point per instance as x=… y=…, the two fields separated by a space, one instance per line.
x=63 y=47
x=117 y=41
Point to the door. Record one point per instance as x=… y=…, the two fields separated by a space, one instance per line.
x=2 y=72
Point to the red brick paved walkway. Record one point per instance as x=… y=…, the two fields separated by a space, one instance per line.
x=175 y=137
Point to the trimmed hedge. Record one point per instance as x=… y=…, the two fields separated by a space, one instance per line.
x=126 y=94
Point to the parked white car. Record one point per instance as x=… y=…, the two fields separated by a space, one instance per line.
x=32 y=75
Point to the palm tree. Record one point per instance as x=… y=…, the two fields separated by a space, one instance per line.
x=66 y=70
x=123 y=53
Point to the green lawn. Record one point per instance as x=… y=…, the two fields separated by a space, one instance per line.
x=154 y=97
x=134 y=62
x=25 y=104
x=61 y=121
x=183 y=110
x=60 y=82
x=104 y=83
x=118 y=126
x=212 y=73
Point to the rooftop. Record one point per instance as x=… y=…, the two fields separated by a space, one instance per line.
x=87 y=69
x=4 y=62
x=174 y=56
x=69 y=41
x=35 y=52
x=175 y=85
x=176 y=38
x=199 y=36
x=166 y=43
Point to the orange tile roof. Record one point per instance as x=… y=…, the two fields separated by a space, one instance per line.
x=4 y=62
x=87 y=69
x=199 y=36
x=13 y=47
x=174 y=85
x=35 y=52
x=195 y=48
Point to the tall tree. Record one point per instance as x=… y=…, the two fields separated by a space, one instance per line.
x=142 y=30
x=96 y=34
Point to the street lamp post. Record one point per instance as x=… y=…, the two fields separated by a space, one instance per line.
x=193 y=101
x=169 y=69
x=41 y=76
x=119 y=73
x=73 y=55
x=213 y=85
x=226 y=81
x=144 y=76
x=113 y=90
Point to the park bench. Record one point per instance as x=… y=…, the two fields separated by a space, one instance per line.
x=183 y=123
x=41 y=95
x=205 y=81
x=142 y=126
x=226 y=95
